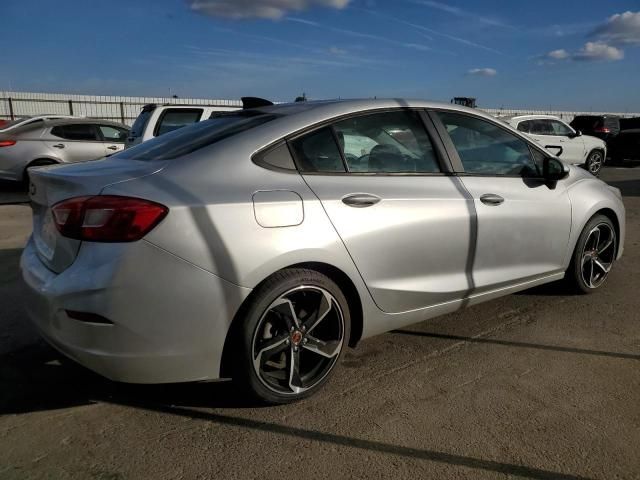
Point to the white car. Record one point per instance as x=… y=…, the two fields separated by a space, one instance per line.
x=561 y=140
x=157 y=119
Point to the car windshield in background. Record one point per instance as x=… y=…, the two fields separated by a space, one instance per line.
x=199 y=135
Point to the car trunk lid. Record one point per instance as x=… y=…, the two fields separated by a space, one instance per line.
x=50 y=185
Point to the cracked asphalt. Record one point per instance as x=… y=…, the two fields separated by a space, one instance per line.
x=535 y=385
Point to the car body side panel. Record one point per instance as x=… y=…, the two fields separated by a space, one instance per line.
x=588 y=196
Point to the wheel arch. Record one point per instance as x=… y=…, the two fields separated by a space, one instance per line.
x=41 y=161
x=347 y=286
x=611 y=215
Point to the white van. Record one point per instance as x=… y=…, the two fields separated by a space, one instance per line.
x=155 y=119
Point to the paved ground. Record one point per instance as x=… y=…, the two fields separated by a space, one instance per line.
x=535 y=385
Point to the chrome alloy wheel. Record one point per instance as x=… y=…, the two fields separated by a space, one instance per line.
x=595 y=163
x=598 y=255
x=298 y=340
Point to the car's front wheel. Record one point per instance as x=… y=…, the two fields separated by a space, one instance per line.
x=594 y=162
x=293 y=332
x=594 y=255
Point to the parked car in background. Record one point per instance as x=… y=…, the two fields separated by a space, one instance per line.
x=22 y=121
x=604 y=127
x=157 y=119
x=626 y=146
x=259 y=244
x=629 y=123
x=568 y=144
x=46 y=141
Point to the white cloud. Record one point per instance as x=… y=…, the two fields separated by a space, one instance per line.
x=337 y=51
x=590 y=52
x=595 y=51
x=561 y=54
x=621 y=29
x=271 y=9
x=483 y=72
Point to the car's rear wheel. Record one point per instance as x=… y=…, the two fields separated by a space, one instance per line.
x=594 y=255
x=594 y=162
x=293 y=333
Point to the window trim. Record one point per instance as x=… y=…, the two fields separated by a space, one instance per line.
x=453 y=152
x=164 y=112
x=442 y=161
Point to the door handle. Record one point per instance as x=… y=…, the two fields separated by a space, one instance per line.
x=491 y=199
x=59 y=145
x=112 y=147
x=360 y=200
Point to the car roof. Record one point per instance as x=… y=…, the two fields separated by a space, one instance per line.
x=81 y=120
x=328 y=109
x=511 y=118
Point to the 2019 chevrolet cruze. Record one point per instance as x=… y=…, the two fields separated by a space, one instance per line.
x=259 y=244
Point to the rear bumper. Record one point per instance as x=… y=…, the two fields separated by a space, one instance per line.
x=169 y=319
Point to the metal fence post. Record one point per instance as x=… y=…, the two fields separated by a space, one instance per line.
x=70 y=107
x=11 y=109
x=122 y=112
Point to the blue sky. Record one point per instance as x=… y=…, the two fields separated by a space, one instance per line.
x=569 y=54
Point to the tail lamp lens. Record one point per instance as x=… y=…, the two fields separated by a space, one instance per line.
x=107 y=218
x=7 y=143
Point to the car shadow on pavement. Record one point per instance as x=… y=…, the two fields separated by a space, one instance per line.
x=506 y=343
x=629 y=188
x=38 y=378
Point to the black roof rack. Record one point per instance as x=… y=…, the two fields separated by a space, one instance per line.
x=254 y=102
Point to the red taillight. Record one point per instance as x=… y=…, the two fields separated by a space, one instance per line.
x=7 y=143
x=602 y=130
x=107 y=218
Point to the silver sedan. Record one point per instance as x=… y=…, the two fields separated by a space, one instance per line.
x=260 y=244
x=44 y=140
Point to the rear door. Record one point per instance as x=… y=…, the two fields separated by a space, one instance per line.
x=523 y=223
x=113 y=138
x=404 y=219
x=75 y=142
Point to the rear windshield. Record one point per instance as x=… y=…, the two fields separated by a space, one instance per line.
x=12 y=123
x=587 y=123
x=199 y=135
x=138 y=126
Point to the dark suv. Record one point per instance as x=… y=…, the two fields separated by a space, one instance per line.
x=605 y=127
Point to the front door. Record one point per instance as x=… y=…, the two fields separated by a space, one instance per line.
x=523 y=223
x=406 y=224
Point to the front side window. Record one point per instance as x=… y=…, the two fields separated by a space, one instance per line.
x=389 y=142
x=81 y=132
x=560 y=129
x=175 y=118
x=113 y=134
x=487 y=149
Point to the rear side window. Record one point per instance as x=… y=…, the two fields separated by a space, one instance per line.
x=318 y=152
x=541 y=127
x=175 y=118
x=525 y=126
x=387 y=142
x=81 y=131
x=197 y=136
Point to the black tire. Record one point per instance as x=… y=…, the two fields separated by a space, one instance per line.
x=584 y=257
x=261 y=324
x=595 y=162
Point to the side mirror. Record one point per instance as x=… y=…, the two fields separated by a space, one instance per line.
x=554 y=170
x=577 y=133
